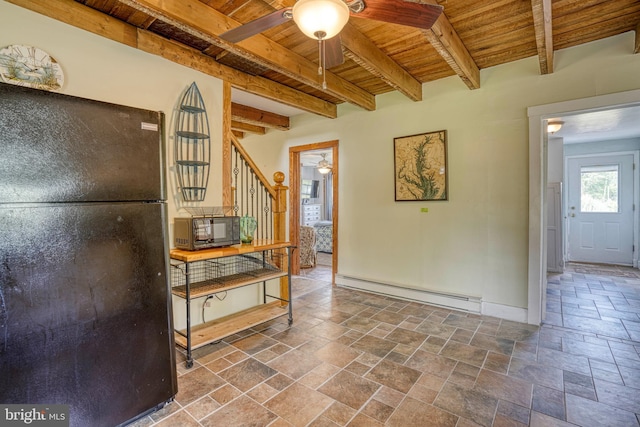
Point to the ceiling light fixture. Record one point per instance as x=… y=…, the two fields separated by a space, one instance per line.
x=320 y=20
x=324 y=167
x=554 y=126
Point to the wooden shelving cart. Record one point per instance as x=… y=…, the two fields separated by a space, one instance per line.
x=197 y=274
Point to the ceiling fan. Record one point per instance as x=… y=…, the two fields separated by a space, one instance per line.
x=323 y=20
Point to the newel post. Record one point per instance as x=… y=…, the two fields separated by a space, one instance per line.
x=280 y=225
x=280 y=208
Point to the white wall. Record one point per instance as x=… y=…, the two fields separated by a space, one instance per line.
x=555 y=162
x=476 y=243
x=609 y=146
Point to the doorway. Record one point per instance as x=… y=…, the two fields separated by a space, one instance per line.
x=538 y=162
x=324 y=219
x=600 y=209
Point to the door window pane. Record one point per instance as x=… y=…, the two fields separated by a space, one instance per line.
x=599 y=188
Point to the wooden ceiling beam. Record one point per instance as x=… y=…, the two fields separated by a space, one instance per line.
x=269 y=89
x=237 y=134
x=255 y=116
x=85 y=18
x=133 y=16
x=366 y=54
x=448 y=44
x=206 y=23
x=542 y=23
x=246 y=127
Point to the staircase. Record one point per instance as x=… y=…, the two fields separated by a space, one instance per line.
x=247 y=190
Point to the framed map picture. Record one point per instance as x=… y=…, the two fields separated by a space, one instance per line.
x=420 y=166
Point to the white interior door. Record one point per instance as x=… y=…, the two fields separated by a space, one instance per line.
x=600 y=209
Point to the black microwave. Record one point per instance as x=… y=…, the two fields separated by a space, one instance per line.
x=206 y=232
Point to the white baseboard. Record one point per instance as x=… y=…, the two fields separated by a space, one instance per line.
x=459 y=302
x=472 y=304
x=516 y=314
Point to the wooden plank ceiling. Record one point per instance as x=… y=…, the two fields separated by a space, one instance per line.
x=281 y=63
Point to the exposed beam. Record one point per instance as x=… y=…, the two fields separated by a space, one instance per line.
x=136 y=19
x=237 y=134
x=446 y=41
x=206 y=23
x=192 y=58
x=366 y=54
x=255 y=116
x=637 y=48
x=246 y=127
x=83 y=17
x=279 y=4
x=544 y=38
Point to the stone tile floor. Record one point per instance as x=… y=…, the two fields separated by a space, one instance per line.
x=357 y=359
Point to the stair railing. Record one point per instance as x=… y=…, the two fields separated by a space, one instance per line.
x=251 y=194
x=246 y=188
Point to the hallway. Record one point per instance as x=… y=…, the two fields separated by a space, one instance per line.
x=598 y=299
x=357 y=359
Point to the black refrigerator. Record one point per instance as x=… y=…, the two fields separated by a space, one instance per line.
x=85 y=308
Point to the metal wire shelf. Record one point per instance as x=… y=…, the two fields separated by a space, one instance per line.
x=218 y=275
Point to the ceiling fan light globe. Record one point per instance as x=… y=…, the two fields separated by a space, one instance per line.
x=316 y=17
x=324 y=167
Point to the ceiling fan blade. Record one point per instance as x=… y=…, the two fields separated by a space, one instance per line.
x=257 y=25
x=333 y=52
x=419 y=15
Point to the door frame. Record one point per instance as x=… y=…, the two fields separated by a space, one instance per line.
x=294 y=200
x=538 y=140
x=634 y=198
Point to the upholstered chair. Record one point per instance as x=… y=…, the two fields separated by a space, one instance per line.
x=307 y=247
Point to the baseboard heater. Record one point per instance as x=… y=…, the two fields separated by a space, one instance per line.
x=443 y=299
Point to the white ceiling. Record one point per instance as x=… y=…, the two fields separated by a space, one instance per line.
x=311 y=158
x=264 y=104
x=614 y=123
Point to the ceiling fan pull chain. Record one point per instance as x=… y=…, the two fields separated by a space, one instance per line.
x=321 y=62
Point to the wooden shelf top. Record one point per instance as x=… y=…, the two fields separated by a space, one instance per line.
x=218 y=329
x=202 y=254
